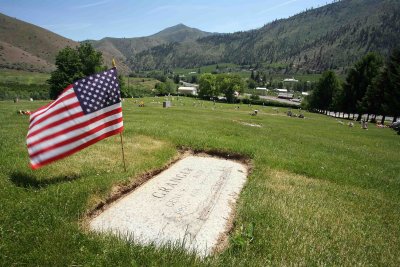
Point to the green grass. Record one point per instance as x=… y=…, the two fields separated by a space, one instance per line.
x=23 y=77
x=206 y=69
x=145 y=83
x=320 y=193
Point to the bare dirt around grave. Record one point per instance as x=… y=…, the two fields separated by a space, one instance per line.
x=190 y=204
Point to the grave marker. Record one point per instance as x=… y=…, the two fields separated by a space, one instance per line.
x=190 y=205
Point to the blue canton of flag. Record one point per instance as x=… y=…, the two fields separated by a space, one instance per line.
x=98 y=91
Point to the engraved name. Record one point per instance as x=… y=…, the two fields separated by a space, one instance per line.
x=163 y=191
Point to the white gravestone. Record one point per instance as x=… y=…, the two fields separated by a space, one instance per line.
x=187 y=205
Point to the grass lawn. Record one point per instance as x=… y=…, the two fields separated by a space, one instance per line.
x=146 y=83
x=23 y=77
x=320 y=193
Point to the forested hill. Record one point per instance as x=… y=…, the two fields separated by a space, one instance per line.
x=332 y=36
x=123 y=48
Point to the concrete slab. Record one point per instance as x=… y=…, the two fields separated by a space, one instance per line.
x=189 y=205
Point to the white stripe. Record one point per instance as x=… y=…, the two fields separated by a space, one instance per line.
x=56 y=118
x=68 y=92
x=70 y=123
x=56 y=107
x=72 y=134
x=54 y=153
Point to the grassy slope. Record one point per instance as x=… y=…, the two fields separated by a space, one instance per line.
x=23 y=77
x=320 y=193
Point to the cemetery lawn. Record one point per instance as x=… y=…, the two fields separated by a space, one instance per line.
x=320 y=192
x=23 y=77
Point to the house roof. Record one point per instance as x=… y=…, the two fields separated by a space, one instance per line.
x=290 y=80
x=187 y=88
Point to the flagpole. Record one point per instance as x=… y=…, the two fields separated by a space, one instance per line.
x=123 y=154
x=120 y=134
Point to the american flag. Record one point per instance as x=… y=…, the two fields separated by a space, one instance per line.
x=86 y=112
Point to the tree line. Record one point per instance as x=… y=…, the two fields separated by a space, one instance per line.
x=372 y=87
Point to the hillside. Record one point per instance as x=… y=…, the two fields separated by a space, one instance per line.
x=28 y=47
x=180 y=33
x=333 y=36
x=125 y=48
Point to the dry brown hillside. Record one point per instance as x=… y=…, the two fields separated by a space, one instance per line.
x=12 y=57
x=29 y=47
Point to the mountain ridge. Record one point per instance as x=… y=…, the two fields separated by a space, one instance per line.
x=124 y=48
x=332 y=36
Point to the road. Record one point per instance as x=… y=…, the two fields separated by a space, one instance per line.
x=273 y=98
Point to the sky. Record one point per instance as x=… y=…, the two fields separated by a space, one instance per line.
x=91 y=19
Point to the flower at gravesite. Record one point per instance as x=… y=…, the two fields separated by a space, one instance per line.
x=86 y=112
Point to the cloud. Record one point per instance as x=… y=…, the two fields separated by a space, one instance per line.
x=277 y=6
x=66 y=27
x=181 y=7
x=92 y=4
x=160 y=9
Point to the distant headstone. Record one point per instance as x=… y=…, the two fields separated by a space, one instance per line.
x=166 y=104
x=364 y=124
x=189 y=205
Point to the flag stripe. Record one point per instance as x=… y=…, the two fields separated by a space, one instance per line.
x=48 y=146
x=66 y=123
x=60 y=109
x=72 y=146
x=67 y=95
x=38 y=164
x=54 y=122
x=72 y=126
x=69 y=100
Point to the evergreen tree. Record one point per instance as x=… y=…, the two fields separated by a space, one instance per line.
x=176 y=78
x=264 y=79
x=193 y=79
x=258 y=78
x=252 y=75
x=337 y=99
x=358 y=80
x=392 y=95
x=322 y=97
x=251 y=84
x=373 y=100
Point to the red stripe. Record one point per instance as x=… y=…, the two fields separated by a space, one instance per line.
x=77 y=126
x=51 y=125
x=76 y=138
x=70 y=152
x=55 y=101
x=54 y=113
